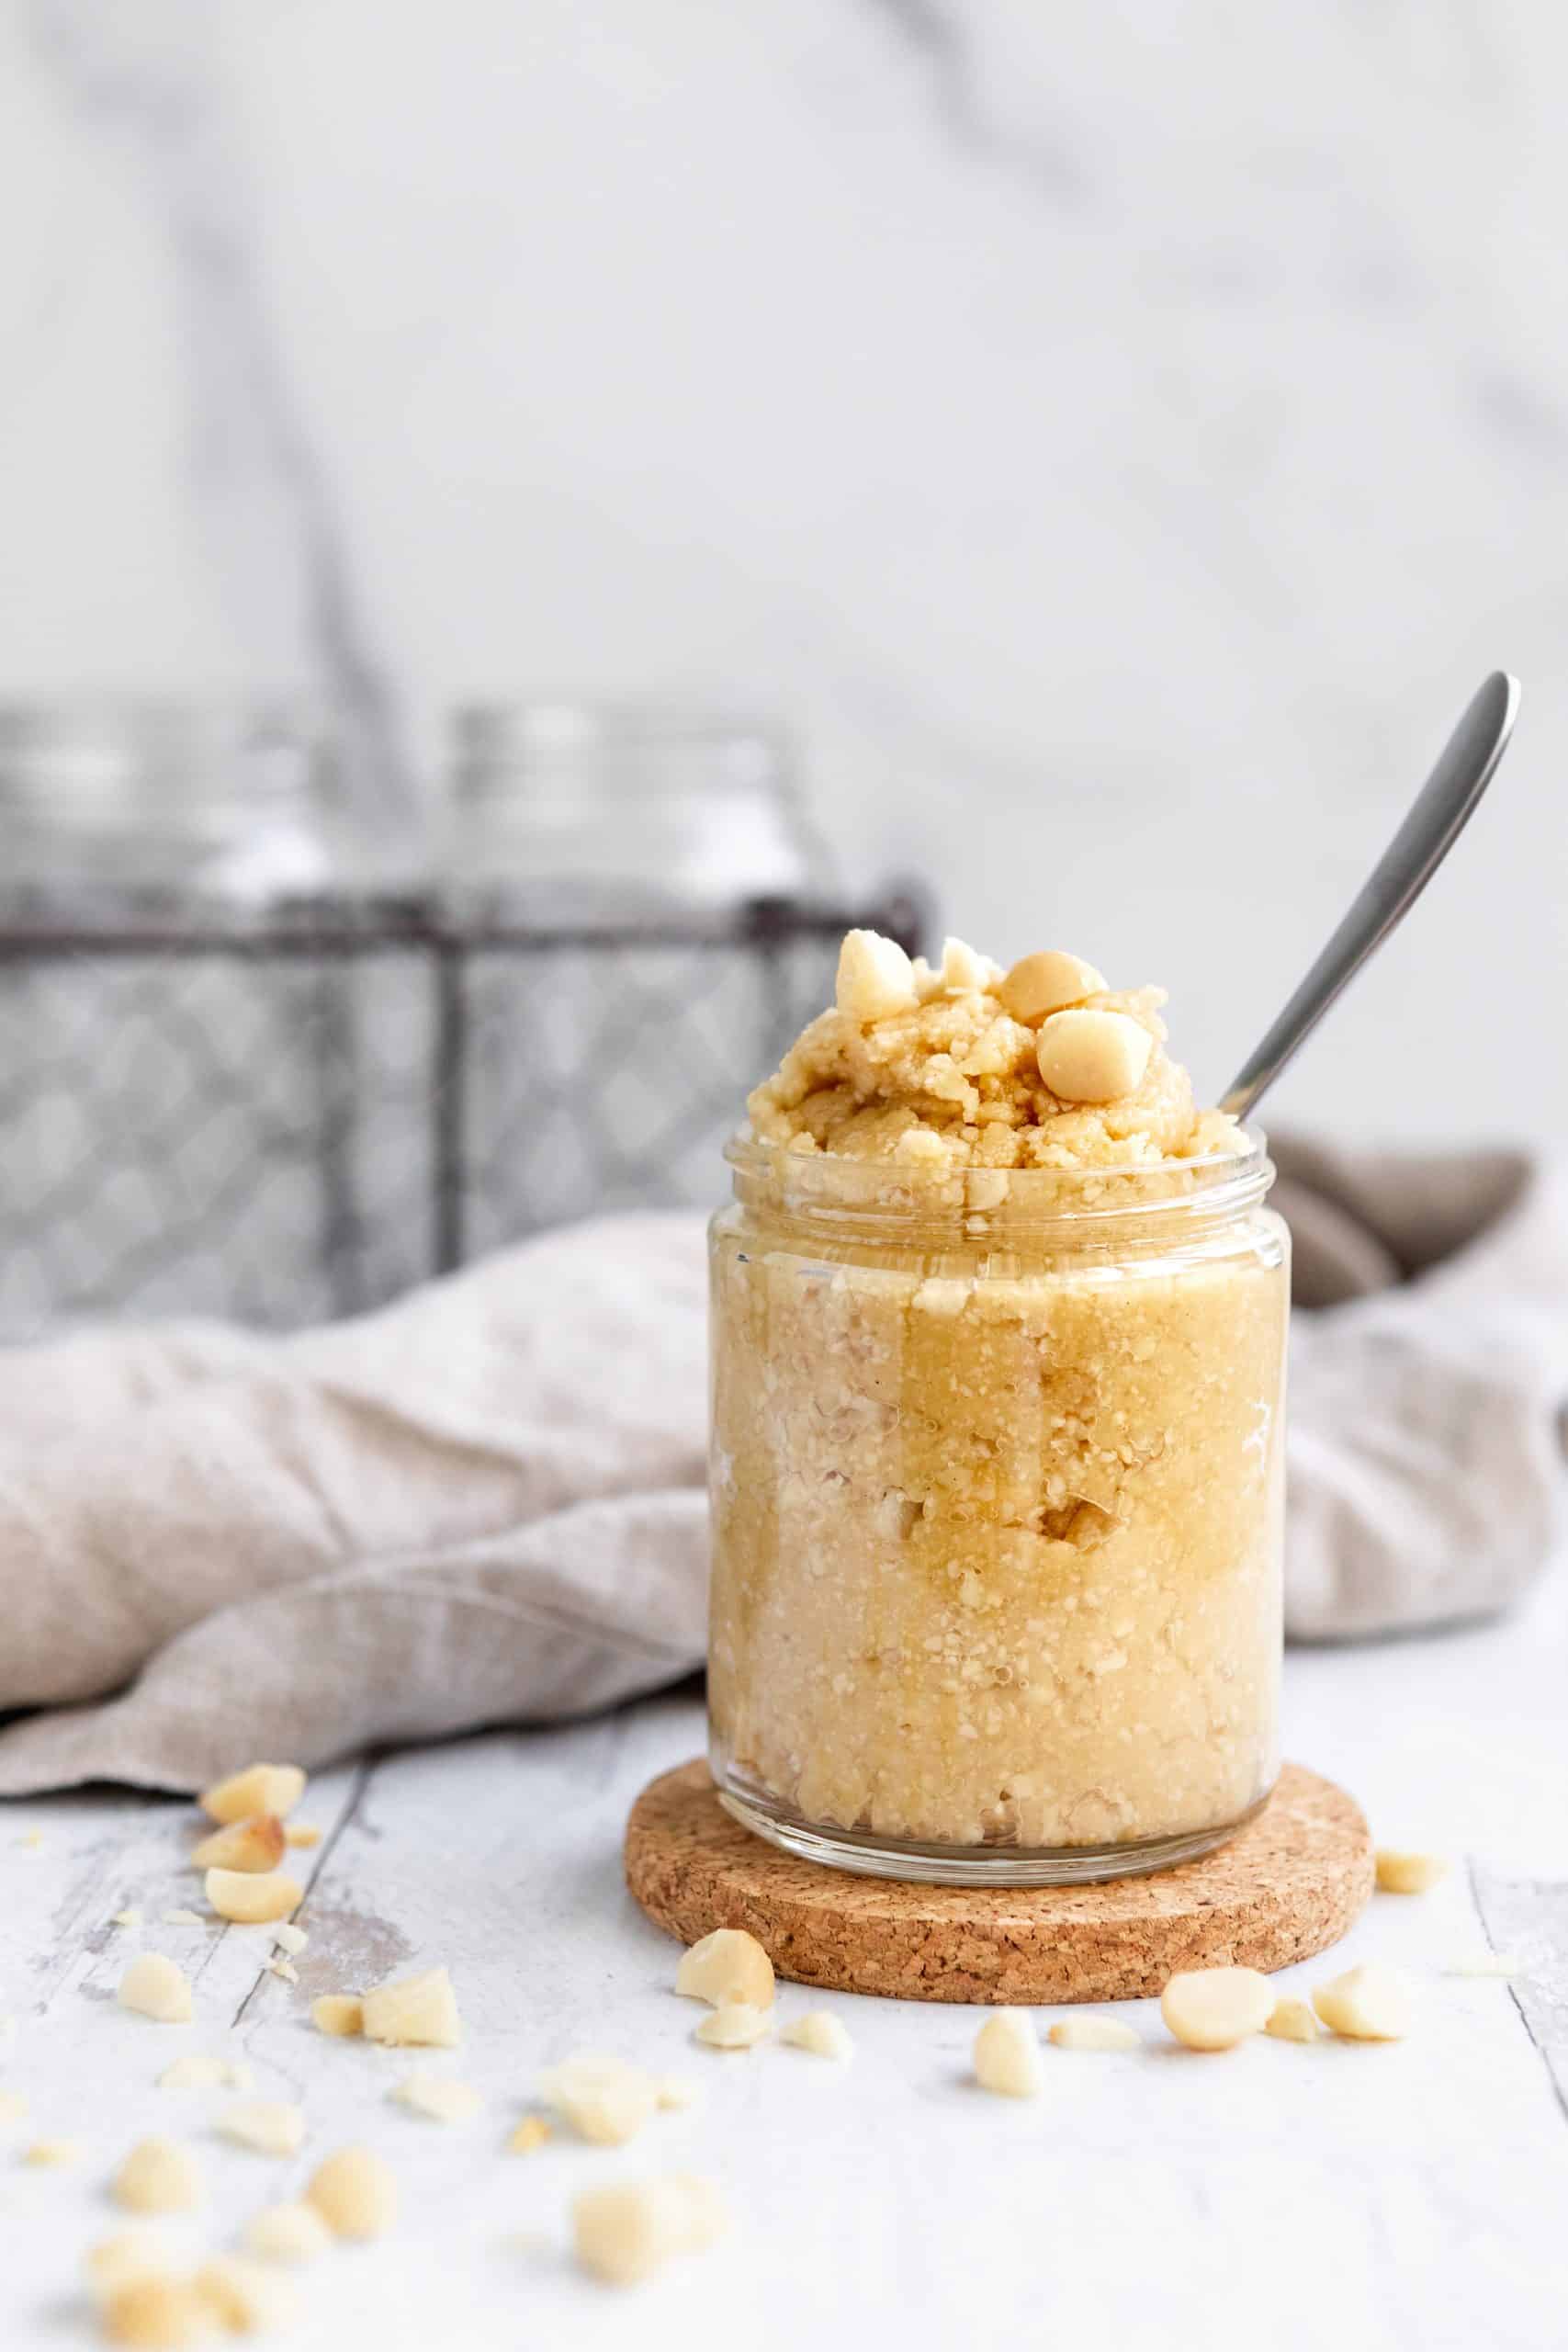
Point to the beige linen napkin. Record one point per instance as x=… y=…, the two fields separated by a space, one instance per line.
x=485 y=1502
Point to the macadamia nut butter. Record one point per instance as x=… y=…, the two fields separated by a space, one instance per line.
x=998 y=1330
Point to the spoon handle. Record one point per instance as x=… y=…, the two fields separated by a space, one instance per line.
x=1435 y=820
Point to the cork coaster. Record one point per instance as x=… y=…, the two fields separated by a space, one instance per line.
x=1286 y=1886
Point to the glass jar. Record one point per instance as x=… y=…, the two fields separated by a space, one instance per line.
x=122 y=804
x=607 y=813
x=216 y=1086
x=997 y=1483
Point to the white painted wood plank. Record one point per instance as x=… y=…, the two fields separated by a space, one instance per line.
x=1378 y=2197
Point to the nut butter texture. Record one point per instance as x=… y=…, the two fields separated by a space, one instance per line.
x=997 y=1454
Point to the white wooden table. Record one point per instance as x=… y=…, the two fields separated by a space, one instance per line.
x=1347 y=2197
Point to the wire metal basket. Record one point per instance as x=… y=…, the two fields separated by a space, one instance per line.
x=285 y=1116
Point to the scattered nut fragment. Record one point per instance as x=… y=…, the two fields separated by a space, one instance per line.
x=1367 y=2004
x=1047 y=982
x=418 y=2012
x=624 y=2234
x=876 y=977
x=1409 y=1874
x=129 y=1917
x=1214 y=2009
x=735 y=2025
x=603 y=2099
x=157 y=2312
x=530 y=2134
x=728 y=1966
x=13 y=2106
x=821 y=2032
x=292 y=1940
x=31 y=1842
x=339 y=2013
x=438 y=2097
x=303 y=1833
x=1092 y=1055
x=255 y=1844
x=675 y=2094
x=183 y=1919
x=1093 y=2033
x=243 y=2297
x=272 y=2127
x=129 y=2254
x=1007 y=2056
x=1291 y=2019
x=53 y=2154
x=155 y=1988
x=260 y=1788
x=292 y=2233
x=253 y=1898
x=158 y=2176
x=356 y=2193
x=195 y=2071
x=281 y=1968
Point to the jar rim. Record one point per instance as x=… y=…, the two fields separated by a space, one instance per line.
x=832 y=1185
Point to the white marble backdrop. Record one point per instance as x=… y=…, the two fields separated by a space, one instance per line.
x=1118 y=435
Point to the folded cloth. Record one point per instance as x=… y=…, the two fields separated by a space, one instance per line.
x=486 y=1502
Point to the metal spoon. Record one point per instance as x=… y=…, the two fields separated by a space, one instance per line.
x=1437 y=817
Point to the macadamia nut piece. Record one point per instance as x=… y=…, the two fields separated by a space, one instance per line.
x=340 y=2014
x=530 y=2135
x=1046 y=982
x=876 y=977
x=1092 y=1055
x=253 y=1898
x=260 y=1788
x=825 y=2035
x=292 y=2233
x=416 y=2012
x=195 y=2071
x=624 y=2234
x=1291 y=2019
x=244 y=2298
x=728 y=1966
x=253 y=1845
x=114 y=2262
x=157 y=2176
x=159 y=2314
x=155 y=1988
x=437 y=2098
x=272 y=2127
x=734 y=2025
x=1406 y=1873
x=603 y=2099
x=1007 y=2056
x=356 y=2193
x=1214 y=2009
x=1369 y=2004
x=963 y=971
x=1093 y=2033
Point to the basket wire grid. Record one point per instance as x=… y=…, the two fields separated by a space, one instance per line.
x=279 y=1119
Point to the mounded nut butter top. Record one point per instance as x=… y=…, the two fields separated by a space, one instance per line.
x=962 y=1065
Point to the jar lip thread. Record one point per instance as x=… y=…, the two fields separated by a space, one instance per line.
x=847 y=1192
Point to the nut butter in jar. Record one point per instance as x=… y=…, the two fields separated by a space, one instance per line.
x=997 y=1452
